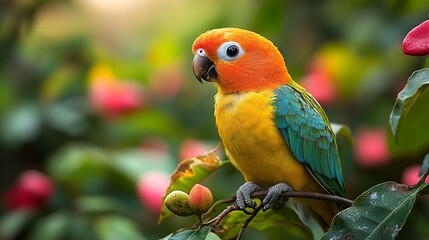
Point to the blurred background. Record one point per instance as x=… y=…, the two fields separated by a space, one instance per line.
x=98 y=104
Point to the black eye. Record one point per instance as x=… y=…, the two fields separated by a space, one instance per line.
x=229 y=51
x=232 y=51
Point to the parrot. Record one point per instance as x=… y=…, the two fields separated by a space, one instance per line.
x=273 y=131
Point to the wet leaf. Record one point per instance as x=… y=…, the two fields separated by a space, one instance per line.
x=189 y=172
x=416 y=84
x=379 y=213
x=285 y=218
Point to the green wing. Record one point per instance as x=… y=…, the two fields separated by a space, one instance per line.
x=308 y=134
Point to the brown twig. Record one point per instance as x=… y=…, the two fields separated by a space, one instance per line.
x=260 y=194
x=215 y=221
x=312 y=195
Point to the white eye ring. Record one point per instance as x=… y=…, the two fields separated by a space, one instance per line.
x=201 y=52
x=229 y=51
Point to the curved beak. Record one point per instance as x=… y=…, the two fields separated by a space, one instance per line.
x=204 y=69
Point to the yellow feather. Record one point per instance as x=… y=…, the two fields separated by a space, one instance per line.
x=256 y=148
x=254 y=144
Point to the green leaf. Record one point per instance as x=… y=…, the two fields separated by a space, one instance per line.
x=194 y=234
x=96 y=204
x=21 y=124
x=52 y=227
x=416 y=84
x=78 y=164
x=379 y=213
x=285 y=218
x=189 y=172
x=116 y=227
x=13 y=223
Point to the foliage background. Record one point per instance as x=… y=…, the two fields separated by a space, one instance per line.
x=59 y=60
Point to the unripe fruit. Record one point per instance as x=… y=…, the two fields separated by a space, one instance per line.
x=178 y=203
x=200 y=199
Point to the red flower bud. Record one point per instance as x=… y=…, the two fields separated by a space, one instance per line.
x=416 y=43
x=200 y=199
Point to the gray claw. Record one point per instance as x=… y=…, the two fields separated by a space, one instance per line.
x=243 y=199
x=273 y=196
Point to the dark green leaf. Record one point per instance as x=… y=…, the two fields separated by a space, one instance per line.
x=379 y=213
x=416 y=84
x=286 y=218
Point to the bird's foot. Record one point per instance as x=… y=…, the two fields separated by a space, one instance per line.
x=273 y=196
x=243 y=199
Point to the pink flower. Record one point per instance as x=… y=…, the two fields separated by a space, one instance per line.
x=192 y=148
x=31 y=190
x=416 y=43
x=151 y=188
x=410 y=176
x=319 y=83
x=371 y=148
x=112 y=96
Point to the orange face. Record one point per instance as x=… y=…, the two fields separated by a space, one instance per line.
x=238 y=60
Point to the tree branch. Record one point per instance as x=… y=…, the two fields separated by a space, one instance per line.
x=311 y=195
x=260 y=194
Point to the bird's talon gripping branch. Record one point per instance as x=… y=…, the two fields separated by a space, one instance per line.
x=243 y=199
x=273 y=196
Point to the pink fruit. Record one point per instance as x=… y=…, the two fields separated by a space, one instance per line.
x=410 y=176
x=200 y=199
x=371 y=148
x=151 y=188
x=416 y=43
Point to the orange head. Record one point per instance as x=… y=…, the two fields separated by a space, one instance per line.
x=238 y=60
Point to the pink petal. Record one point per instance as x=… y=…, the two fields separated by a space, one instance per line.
x=416 y=43
x=371 y=148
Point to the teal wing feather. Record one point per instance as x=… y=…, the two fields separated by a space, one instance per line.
x=307 y=132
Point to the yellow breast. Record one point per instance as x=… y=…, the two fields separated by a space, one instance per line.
x=254 y=144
